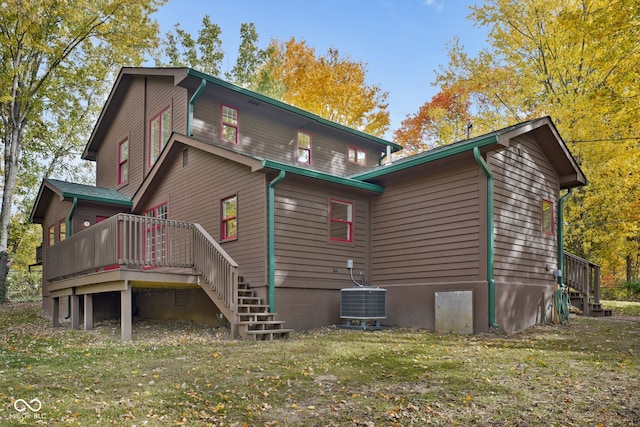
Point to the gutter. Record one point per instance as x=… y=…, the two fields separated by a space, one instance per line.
x=561 y=200
x=192 y=101
x=70 y=216
x=271 y=241
x=490 y=239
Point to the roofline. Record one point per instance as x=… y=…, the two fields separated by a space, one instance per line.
x=429 y=156
x=279 y=104
x=347 y=181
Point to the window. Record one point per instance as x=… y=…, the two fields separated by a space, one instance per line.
x=547 y=217
x=52 y=235
x=229 y=131
x=62 y=230
x=229 y=223
x=123 y=162
x=357 y=156
x=341 y=221
x=159 y=133
x=155 y=235
x=304 y=147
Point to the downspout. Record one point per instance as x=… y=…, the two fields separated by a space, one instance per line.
x=192 y=101
x=74 y=204
x=561 y=201
x=271 y=241
x=490 y=239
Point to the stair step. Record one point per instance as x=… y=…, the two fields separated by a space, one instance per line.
x=268 y=334
x=264 y=326
x=249 y=300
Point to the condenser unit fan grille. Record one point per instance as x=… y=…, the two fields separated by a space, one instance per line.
x=363 y=303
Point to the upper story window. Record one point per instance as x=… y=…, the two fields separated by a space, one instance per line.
x=547 y=217
x=159 y=133
x=229 y=222
x=303 y=143
x=62 y=230
x=52 y=235
x=358 y=156
x=341 y=221
x=123 y=162
x=229 y=128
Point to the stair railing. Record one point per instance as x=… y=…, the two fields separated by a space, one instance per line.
x=583 y=276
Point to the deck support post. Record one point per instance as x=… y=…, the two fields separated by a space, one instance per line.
x=75 y=311
x=88 y=312
x=56 y=311
x=125 y=312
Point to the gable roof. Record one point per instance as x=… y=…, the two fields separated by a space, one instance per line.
x=70 y=190
x=543 y=130
x=191 y=80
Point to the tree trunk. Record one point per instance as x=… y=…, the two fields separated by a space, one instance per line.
x=12 y=150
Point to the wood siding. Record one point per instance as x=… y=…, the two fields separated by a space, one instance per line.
x=523 y=178
x=193 y=193
x=427 y=228
x=268 y=135
x=145 y=98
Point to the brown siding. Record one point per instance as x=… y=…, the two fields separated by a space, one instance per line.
x=305 y=256
x=523 y=177
x=193 y=193
x=131 y=121
x=273 y=136
x=426 y=229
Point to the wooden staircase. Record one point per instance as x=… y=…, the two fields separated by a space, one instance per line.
x=255 y=322
x=583 y=279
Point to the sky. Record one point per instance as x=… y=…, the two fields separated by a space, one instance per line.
x=403 y=42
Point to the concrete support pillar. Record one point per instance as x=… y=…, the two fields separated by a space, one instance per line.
x=75 y=311
x=88 y=312
x=125 y=312
x=56 y=311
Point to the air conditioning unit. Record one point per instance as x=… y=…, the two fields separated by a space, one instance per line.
x=363 y=303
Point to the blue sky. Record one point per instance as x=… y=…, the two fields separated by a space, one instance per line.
x=402 y=42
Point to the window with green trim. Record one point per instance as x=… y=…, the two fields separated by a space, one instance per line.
x=62 y=230
x=123 y=161
x=229 y=220
x=52 y=235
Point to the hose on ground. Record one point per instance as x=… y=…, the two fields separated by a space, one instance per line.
x=562 y=304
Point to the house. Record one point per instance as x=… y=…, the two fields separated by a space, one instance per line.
x=218 y=204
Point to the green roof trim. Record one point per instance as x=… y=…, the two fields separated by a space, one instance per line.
x=429 y=156
x=90 y=193
x=350 y=182
x=279 y=104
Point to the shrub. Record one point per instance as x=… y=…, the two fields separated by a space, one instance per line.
x=24 y=286
x=622 y=291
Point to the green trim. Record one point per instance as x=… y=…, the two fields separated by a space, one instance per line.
x=292 y=109
x=70 y=216
x=192 y=101
x=428 y=156
x=490 y=239
x=97 y=199
x=271 y=240
x=560 y=243
x=350 y=182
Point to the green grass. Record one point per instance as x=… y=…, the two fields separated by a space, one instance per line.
x=586 y=373
x=624 y=308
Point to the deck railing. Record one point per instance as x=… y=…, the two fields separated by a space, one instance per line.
x=132 y=241
x=583 y=276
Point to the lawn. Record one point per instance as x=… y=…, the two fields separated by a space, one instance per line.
x=586 y=373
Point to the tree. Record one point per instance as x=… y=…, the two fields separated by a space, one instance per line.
x=443 y=120
x=331 y=86
x=57 y=58
x=204 y=53
x=576 y=61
